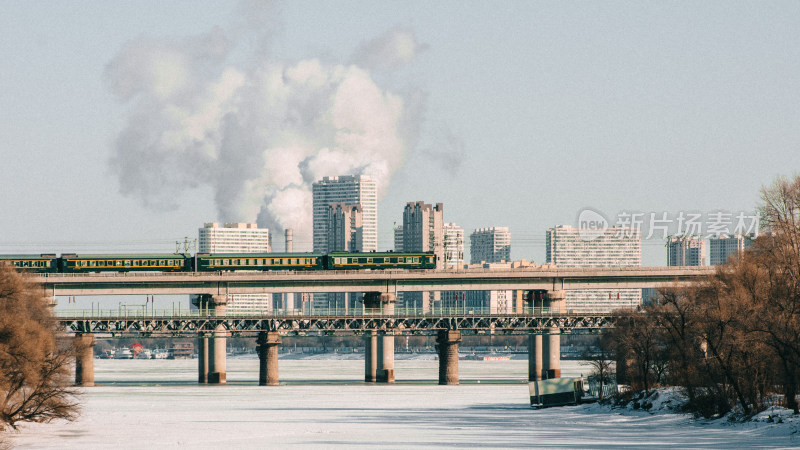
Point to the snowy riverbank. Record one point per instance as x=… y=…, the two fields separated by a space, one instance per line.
x=775 y=422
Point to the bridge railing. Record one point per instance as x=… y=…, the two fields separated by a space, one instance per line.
x=148 y=313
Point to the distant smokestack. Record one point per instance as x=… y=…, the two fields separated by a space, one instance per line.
x=287 y=233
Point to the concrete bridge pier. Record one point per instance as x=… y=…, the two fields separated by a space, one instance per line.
x=383 y=358
x=268 y=342
x=385 y=370
x=202 y=359
x=552 y=346
x=217 y=373
x=535 y=363
x=84 y=359
x=447 y=341
x=370 y=356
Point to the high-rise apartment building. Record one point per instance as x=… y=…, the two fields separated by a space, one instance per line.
x=453 y=246
x=686 y=251
x=359 y=190
x=238 y=238
x=345 y=234
x=398 y=238
x=345 y=228
x=350 y=190
x=568 y=246
x=490 y=245
x=722 y=247
x=233 y=238
x=423 y=229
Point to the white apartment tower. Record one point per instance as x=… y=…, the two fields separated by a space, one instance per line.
x=350 y=190
x=490 y=245
x=567 y=246
x=686 y=251
x=398 y=238
x=233 y=238
x=722 y=247
x=238 y=238
x=453 y=246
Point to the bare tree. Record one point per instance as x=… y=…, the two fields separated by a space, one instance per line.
x=35 y=384
x=599 y=356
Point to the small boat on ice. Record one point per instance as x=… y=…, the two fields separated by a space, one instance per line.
x=558 y=392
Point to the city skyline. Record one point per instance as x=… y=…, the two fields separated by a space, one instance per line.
x=522 y=121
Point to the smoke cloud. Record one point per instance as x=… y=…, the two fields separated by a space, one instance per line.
x=259 y=135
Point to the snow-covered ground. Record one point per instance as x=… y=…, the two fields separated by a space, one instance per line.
x=321 y=403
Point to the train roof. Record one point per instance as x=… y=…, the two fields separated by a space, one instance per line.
x=258 y=255
x=122 y=255
x=379 y=254
x=30 y=256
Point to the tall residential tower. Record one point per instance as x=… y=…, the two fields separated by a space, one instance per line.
x=350 y=190
x=238 y=238
x=615 y=247
x=490 y=245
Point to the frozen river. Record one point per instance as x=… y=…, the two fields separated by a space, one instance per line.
x=321 y=403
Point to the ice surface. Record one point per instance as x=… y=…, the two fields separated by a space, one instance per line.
x=322 y=403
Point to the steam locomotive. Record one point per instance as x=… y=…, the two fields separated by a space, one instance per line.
x=216 y=262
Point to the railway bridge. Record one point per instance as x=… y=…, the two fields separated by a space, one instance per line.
x=379 y=322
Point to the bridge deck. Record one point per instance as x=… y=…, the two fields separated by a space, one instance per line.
x=393 y=281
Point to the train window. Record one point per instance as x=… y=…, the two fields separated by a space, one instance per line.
x=378 y=260
x=401 y=260
x=393 y=260
x=225 y=262
x=369 y=260
x=416 y=260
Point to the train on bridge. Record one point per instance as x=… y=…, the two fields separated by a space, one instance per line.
x=217 y=262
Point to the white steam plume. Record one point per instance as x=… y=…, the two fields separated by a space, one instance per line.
x=261 y=135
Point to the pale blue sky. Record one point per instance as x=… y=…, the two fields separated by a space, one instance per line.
x=532 y=110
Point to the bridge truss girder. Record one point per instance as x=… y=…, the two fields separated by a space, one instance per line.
x=323 y=325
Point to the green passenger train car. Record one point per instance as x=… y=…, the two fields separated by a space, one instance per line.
x=72 y=263
x=42 y=263
x=258 y=261
x=379 y=260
